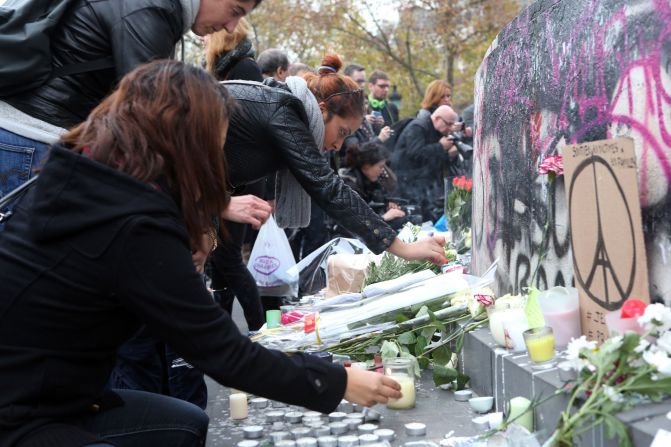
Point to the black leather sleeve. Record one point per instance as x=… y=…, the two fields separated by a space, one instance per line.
x=311 y=169
x=143 y=35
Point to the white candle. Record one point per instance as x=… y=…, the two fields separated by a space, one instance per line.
x=238 y=407
x=520 y=406
x=407 y=400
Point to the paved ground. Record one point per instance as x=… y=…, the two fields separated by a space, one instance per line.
x=436 y=408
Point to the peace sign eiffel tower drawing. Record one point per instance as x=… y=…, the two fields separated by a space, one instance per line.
x=604 y=282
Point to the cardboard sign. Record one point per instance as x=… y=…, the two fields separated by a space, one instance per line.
x=609 y=262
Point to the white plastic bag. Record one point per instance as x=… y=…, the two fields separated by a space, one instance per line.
x=270 y=261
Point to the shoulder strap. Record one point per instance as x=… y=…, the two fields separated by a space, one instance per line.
x=83 y=67
x=12 y=196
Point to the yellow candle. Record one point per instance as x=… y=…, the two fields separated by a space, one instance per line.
x=238 y=402
x=407 y=399
x=541 y=349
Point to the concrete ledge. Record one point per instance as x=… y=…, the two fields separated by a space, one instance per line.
x=497 y=372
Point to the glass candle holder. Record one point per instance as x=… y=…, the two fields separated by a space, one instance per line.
x=502 y=316
x=401 y=370
x=541 y=346
x=273 y=318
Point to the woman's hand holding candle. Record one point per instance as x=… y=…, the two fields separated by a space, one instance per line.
x=369 y=388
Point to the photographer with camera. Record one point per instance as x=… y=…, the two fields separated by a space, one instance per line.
x=424 y=151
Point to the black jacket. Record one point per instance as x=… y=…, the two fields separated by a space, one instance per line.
x=389 y=112
x=269 y=131
x=131 y=31
x=89 y=256
x=418 y=160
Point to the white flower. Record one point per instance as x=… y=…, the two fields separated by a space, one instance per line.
x=573 y=350
x=643 y=345
x=613 y=394
x=659 y=360
x=656 y=318
x=664 y=342
x=612 y=344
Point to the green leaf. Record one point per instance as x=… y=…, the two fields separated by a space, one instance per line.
x=423 y=362
x=420 y=345
x=389 y=349
x=400 y=318
x=442 y=355
x=443 y=375
x=407 y=338
x=462 y=380
x=645 y=385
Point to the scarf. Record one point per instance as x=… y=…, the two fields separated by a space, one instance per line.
x=226 y=61
x=189 y=11
x=292 y=203
x=376 y=104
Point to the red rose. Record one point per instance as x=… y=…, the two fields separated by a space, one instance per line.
x=552 y=163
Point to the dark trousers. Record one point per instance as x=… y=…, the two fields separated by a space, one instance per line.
x=148 y=419
x=145 y=363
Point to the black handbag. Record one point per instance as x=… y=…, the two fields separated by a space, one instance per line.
x=12 y=196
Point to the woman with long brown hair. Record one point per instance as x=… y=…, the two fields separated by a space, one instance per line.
x=438 y=93
x=103 y=244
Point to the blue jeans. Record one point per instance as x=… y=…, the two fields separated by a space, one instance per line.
x=18 y=158
x=148 y=419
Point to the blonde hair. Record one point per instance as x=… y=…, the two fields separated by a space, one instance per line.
x=222 y=42
x=434 y=93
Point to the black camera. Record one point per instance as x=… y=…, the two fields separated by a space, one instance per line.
x=466 y=150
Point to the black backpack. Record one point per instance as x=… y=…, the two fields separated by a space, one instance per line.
x=397 y=129
x=25 y=51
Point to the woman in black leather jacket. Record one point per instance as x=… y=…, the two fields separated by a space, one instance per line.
x=271 y=130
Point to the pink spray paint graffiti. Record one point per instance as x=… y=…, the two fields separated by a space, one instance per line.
x=560 y=73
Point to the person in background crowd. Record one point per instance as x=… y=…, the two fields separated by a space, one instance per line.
x=365 y=165
x=125 y=197
x=124 y=33
x=274 y=63
x=357 y=73
x=422 y=150
x=231 y=55
x=298 y=69
x=383 y=113
x=438 y=93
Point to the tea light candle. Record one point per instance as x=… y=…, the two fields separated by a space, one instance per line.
x=345 y=407
x=338 y=428
x=301 y=432
x=366 y=428
x=415 y=429
x=385 y=434
x=321 y=431
x=259 y=402
x=327 y=441
x=285 y=443
x=238 y=406
x=337 y=416
x=274 y=416
x=407 y=399
x=252 y=431
x=306 y=442
x=293 y=417
x=368 y=438
x=353 y=424
x=520 y=406
x=248 y=443
x=348 y=441
x=312 y=414
x=278 y=436
x=371 y=415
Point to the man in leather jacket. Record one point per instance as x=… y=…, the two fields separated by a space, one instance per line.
x=129 y=33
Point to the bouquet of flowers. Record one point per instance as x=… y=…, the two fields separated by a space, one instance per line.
x=458 y=208
x=623 y=372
